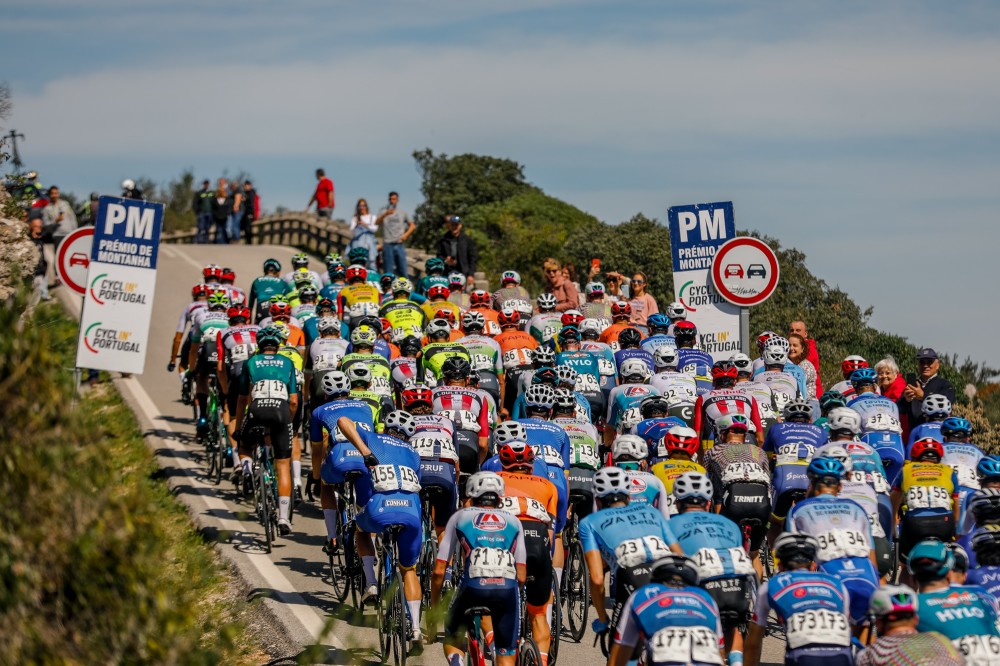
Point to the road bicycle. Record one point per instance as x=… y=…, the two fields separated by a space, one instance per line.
x=575 y=588
x=555 y=628
x=393 y=616
x=346 y=573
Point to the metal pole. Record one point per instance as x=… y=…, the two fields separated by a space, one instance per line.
x=745 y=330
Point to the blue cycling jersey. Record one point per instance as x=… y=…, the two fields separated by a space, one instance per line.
x=674 y=625
x=381 y=347
x=780 y=434
x=539 y=468
x=654 y=342
x=698 y=364
x=959 y=610
x=713 y=542
x=653 y=430
x=623 y=355
x=813 y=606
x=398 y=469
x=552 y=439
x=624 y=397
x=986 y=577
x=341 y=456
x=931 y=429
x=484 y=529
x=641 y=526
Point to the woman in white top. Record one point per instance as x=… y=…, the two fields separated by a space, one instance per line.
x=363 y=227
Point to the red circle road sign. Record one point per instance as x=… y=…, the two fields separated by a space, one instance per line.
x=745 y=271
x=73 y=259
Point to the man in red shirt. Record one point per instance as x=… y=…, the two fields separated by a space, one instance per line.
x=812 y=354
x=323 y=196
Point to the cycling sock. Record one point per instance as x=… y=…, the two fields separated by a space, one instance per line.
x=297 y=473
x=559 y=571
x=455 y=660
x=735 y=659
x=284 y=503
x=545 y=657
x=447 y=574
x=414 y=607
x=548 y=615
x=330 y=518
x=368 y=563
x=236 y=457
x=489 y=638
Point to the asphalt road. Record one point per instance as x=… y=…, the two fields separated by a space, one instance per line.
x=291 y=578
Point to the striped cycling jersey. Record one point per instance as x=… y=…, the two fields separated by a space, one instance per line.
x=926 y=649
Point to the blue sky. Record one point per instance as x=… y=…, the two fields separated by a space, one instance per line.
x=865 y=134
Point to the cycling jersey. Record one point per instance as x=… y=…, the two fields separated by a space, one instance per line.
x=516 y=347
x=677 y=626
x=767 y=402
x=623 y=355
x=653 y=430
x=492 y=328
x=624 y=397
x=609 y=335
x=583 y=440
x=484 y=354
x=667 y=472
x=588 y=370
x=599 y=310
x=235 y=347
x=326 y=353
x=341 y=455
x=404 y=371
x=204 y=320
x=698 y=364
x=436 y=353
x=676 y=387
x=644 y=488
x=928 y=488
x=605 y=361
x=929 y=648
x=797 y=373
x=263 y=289
x=877 y=413
x=790 y=480
x=269 y=381
x=529 y=497
x=783 y=386
x=332 y=291
x=289 y=280
x=187 y=315
x=790 y=433
x=426 y=282
x=431 y=308
x=517 y=298
x=986 y=577
x=723 y=402
x=352 y=296
x=813 y=608
x=627 y=536
x=303 y=311
x=654 y=342
x=713 y=542
x=377 y=364
x=439 y=464
x=310 y=330
x=931 y=429
x=889 y=447
x=844 y=388
x=545 y=325
x=959 y=610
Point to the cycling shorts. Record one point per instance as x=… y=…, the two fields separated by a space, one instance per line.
x=859 y=576
x=341 y=458
x=883 y=555
x=893 y=457
x=790 y=485
x=511 y=381
x=297 y=417
x=819 y=656
x=598 y=404
x=538 y=589
x=233 y=397
x=385 y=510
x=750 y=502
x=207 y=362
x=629 y=579
x=491 y=384
x=734 y=596
x=940 y=526
x=581 y=490
x=503 y=603
x=438 y=486
x=273 y=417
x=185 y=353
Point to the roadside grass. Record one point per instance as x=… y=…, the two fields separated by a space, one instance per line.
x=99 y=563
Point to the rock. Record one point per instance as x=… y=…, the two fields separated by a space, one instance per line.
x=18 y=255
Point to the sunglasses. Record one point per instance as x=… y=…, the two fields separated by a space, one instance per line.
x=638 y=282
x=552 y=271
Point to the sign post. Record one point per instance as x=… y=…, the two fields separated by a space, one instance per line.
x=118 y=303
x=696 y=234
x=745 y=272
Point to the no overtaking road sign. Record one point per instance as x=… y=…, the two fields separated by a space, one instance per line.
x=745 y=271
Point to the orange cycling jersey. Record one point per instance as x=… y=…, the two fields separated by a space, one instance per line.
x=492 y=328
x=515 y=348
x=453 y=334
x=529 y=497
x=296 y=338
x=610 y=334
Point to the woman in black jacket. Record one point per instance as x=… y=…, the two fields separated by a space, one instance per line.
x=222 y=205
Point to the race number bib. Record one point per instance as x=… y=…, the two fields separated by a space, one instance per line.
x=838 y=544
x=587 y=383
x=685 y=644
x=633 y=552
x=788 y=454
x=513 y=358
x=482 y=362
x=434 y=447
x=882 y=421
x=928 y=497
x=874 y=479
x=967 y=476
x=269 y=389
x=709 y=562
x=533 y=509
x=491 y=563
x=550 y=454
x=744 y=472
x=239 y=353
x=585 y=455
x=605 y=367
x=363 y=310
x=380 y=385
x=979 y=650
x=518 y=304
x=550 y=332
x=387 y=478
x=326 y=361
x=817 y=626
x=462 y=418
x=690 y=369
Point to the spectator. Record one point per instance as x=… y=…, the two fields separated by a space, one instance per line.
x=58 y=217
x=87 y=215
x=202 y=206
x=642 y=303
x=566 y=293
x=397 y=226
x=235 y=211
x=890 y=382
x=251 y=210
x=798 y=327
x=39 y=280
x=323 y=196
x=797 y=347
x=363 y=227
x=458 y=250
x=926 y=383
x=221 y=206
x=617 y=286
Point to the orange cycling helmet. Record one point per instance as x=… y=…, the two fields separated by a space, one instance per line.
x=438 y=291
x=621 y=309
x=280 y=310
x=416 y=395
x=681 y=438
x=480 y=298
x=509 y=317
x=922 y=447
x=516 y=454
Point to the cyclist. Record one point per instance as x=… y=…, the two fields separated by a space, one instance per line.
x=926 y=497
x=675 y=312
x=306 y=307
x=484 y=353
x=469 y=411
x=812 y=606
x=656 y=421
x=542 y=359
x=767 y=401
x=236 y=345
x=437 y=300
x=587 y=366
x=985 y=545
x=544 y=325
x=336 y=279
x=362 y=352
x=494 y=547
x=268 y=397
x=725 y=399
x=629 y=341
x=899 y=643
x=828 y=401
x=673 y=620
x=358 y=256
x=512 y=295
x=629 y=452
x=963 y=456
x=264 y=287
x=516 y=346
x=281 y=311
x=621 y=313
x=300 y=260
x=847 y=368
x=331 y=259
x=983 y=512
x=878 y=413
x=207 y=324
x=439 y=348
x=405 y=316
x=328 y=350
x=627 y=537
x=584 y=458
x=590 y=333
x=694 y=362
x=596 y=307
x=405 y=369
x=434 y=269
x=439 y=463
x=844 y=533
x=677 y=450
x=632 y=391
x=456 y=285
x=481 y=301
x=935 y=409
x=659 y=336
x=779 y=374
x=679 y=388
x=199 y=294
x=392 y=484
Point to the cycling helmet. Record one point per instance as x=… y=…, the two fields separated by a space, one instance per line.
x=571 y=318
x=774 y=354
x=665 y=357
x=629 y=418
x=543 y=356
x=324 y=324
x=335 y=383
x=356 y=272
x=509 y=317
x=839 y=453
x=400 y=421
x=681 y=438
x=364 y=336
x=595 y=289
x=930 y=559
x=308 y=294
x=198 y=291
x=621 y=309
x=629 y=447
x=569 y=333
x=386 y=282
x=545 y=375
x=956 y=426
x=358 y=255
x=410 y=346
x=268 y=337
x=673 y=569
x=456 y=367
x=283 y=330
x=778 y=341
x=301 y=277
x=479 y=298
x=634 y=370
x=565 y=401
x=798 y=408
x=852 y=363
x=692 y=486
x=590 y=329
x=629 y=338
x=844 y=419
x=610 y=481
x=676 y=311
x=300 y=260
x=728 y=422
x=685 y=330
x=438 y=328
x=988 y=468
x=986 y=546
x=482 y=485
x=744 y=366
x=516 y=454
x=434 y=265
x=961 y=557
x=567 y=376
x=724 y=370
x=447 y=315
x=372 y=321
x=417 y=394
x=795 y=547
x=337 y=271
x=325 y=304
x=272 y=265
x=127 y=184
x=509 y=431
x=831 y=400
x=539 y=396
x=331 y=258
x=212 y=272
x=763 y=338
x=456 y=280
x=924 y=446
x=401 y=285
x=935 y=406
x=510 y=276
x=237 y=312
x=359 y=374
x=826 y=470
x=218 y=300
x=985 y=504
x=658 y=323
x=546 y=302
x=893 y=602
x=653 y=404
x=473 y=321
x=863 y=377
x=438 y=291
x=228 y=274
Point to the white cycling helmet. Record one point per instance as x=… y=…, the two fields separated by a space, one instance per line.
x=845 y=419
x=546 y=302
x=676 y=311
x=402 y=421
x=128 y=184
x=774 y=353
x=473 y=319
x=611 y=481
x=359 y=374
x=336 y=383
x=594 y=288
x=634 y=368
x=324 y=324
x=742 y=362
x=838 y=453
x=509 y=431
x=692 y=485
x=483 y=483
x=590 y=325
x=543 y=355
x=437 y=327
x=665 y=357
x=935 y=404
x=629 y=446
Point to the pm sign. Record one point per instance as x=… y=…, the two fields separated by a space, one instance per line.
x=118 y=303
x=696 y=233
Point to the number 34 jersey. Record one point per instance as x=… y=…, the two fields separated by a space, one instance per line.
x=492 y=541
x=840 y=525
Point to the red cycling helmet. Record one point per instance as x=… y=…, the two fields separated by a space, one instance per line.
x=516 y=454
x=480 y=298
x=438 y=291
x=852 y=363
x=212 y=271
x=509 y=317
x=199 y=290
x=724 y=370
x=621 y=309
x=280 y=310
x=386 y=325
x=228 y=274
x=683 y=439
x=356 y=272
x=445 y=314
x=763 y=338
x=239 y=311
x=572 y=318
x=922 y=447
x=417 y=394
x=685 y=329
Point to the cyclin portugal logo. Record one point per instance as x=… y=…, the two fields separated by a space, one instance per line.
x=97 y=339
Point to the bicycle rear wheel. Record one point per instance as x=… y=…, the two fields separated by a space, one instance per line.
x=528 y=653
x=264 y=486
x=221 y=444
x=576 y=592
x=339 y=576
x=400 y=624
x=384 y=609
x=425 y=568
x=556 y=627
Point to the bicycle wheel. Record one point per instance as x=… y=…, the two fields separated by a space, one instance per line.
x=339 y=576
x=576 y=592
x=221 y=438
x=556 y=627
x=528 y=653
x=383 y=608
x=400 y=623
x=266 y=509
x=425 y=568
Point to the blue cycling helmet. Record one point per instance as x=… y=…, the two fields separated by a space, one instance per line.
x=930 y=559
x=825 y=469
x=988 y=467
x=863 y=376
x=658 y=321
x=956 y=425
